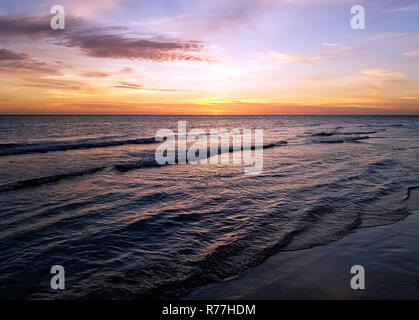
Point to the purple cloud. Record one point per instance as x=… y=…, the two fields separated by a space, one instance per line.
x=102 y=42
x=11 y=61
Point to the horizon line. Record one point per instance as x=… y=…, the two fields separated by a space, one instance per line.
x=204 y=115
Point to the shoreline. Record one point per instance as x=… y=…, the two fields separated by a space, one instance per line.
x=389 y=254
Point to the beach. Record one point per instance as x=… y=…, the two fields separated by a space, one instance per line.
x=388 y=253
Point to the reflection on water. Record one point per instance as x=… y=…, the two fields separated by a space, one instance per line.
x=85 y=193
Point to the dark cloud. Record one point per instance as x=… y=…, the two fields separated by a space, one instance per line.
x=120 y=47
x=102 y=42
x=11 y=55
x=29 y=26
x=11 y=61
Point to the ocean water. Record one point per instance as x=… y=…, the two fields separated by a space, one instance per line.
x=85 y=192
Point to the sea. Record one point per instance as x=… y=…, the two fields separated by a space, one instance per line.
x=86 y=193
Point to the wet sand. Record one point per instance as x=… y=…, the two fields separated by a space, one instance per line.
x=389 y=254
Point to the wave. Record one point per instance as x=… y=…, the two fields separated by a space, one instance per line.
x=7 y=145
x=409 y=192
x=394 y=125
x=121 y=167
x=43 y=147
x=225 y=260
x=336 y=133
x=323 y=134
x=275 y=144
x=387 y=163
x=343 y=139
x=142 y=164
x=151 y=163
x=47 y=179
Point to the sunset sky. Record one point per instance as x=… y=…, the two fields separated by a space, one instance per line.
x=209 y=57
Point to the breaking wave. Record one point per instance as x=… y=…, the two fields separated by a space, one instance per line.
x=151 y=163
x=43 y=147
x=342 y=139
x=336 y=133
x=148 y=162
x=47 y=179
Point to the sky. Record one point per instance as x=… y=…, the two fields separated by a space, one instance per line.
x=218 y=57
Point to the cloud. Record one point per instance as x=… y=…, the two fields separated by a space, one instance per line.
x=408 y=98
x=103 y=42
x=334 y=51
x=411 y=7
x=411 y=54
x=332 y=44
x=384 y=75
x=11 y=61
x=377 y=79
x=133 y=86
x=11 y=55
x=120 y=47
x=88 y=8
x=60 y=84
x=37 y=74
x=306 y=59
x=35 y=27
x=127 y=85
x=221 y=15
x=127 y=70
x=290 y=58
x=95 y=74
x=337 y=45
